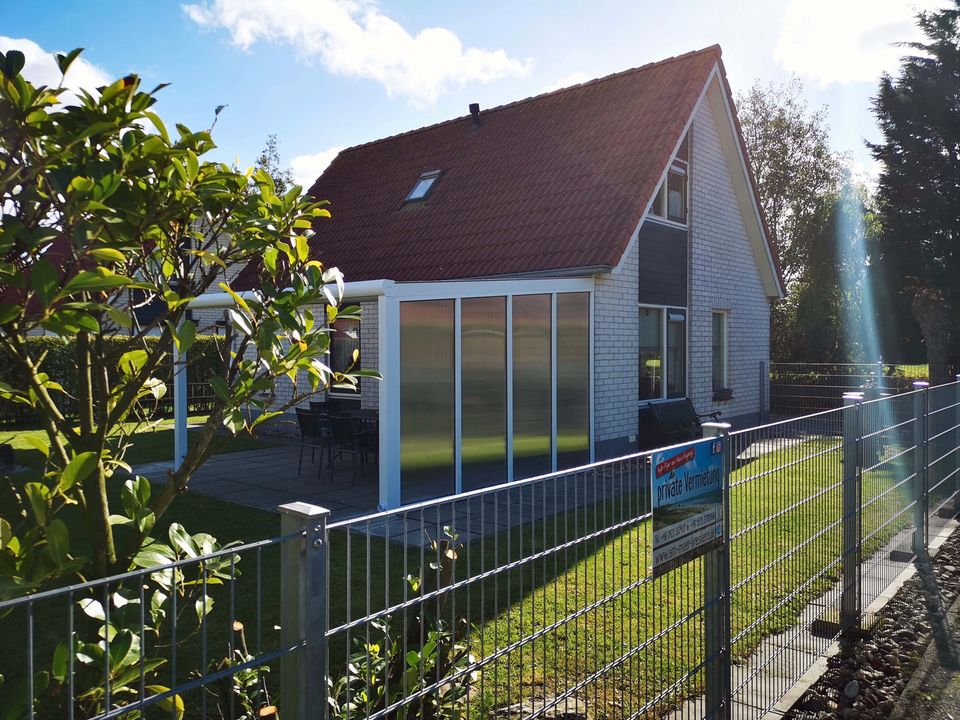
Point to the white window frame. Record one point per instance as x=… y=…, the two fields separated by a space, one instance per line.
x=340 y=393
x=725 y=349
x=664 y=321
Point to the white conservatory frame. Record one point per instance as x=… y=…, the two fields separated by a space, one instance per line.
x=388 y=295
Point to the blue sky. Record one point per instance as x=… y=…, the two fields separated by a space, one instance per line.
x=323 y=74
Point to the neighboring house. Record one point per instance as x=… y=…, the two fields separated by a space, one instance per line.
x=531 y=273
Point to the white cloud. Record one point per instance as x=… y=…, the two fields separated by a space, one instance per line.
x=307 y=168
x=354 y=38
x=847 y=41
x=572 y=79
x=40 y=68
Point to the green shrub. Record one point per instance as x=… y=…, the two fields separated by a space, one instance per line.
x=204 y=360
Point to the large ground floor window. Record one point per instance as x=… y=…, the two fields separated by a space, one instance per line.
x=663 y=352
x=492 y=389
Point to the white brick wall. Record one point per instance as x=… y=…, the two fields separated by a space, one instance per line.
x=723 y=276
x=369 y=354
x=615 y=347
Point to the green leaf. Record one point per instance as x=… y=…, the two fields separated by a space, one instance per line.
x=65 y=61
x=13 y=63
x=219 y=386
x=60 y=663
x=108 y=255
x=92 y=608
x=173 y=704
x=44 y=280
x=131 y=362
x=58 y=541
x=37 y=443
x=93 y=281
x=181 y=540
x=187 y=334
x=77 y=470
x=39 y=497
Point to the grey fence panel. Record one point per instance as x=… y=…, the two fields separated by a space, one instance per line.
x=522 y=600
x=139 y=641
x=786 y=549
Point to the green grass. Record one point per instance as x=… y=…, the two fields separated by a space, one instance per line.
x=151 y=445
x=785 y=510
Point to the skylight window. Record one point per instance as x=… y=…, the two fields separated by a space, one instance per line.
x=423 y=186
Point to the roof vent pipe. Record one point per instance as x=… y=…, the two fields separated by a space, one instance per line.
x=475 y=112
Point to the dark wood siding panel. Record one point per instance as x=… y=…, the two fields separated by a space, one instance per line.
x=663 y=265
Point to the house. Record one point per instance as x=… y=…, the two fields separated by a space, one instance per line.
x=531 y=273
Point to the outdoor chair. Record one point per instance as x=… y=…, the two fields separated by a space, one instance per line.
x=351 y=441
x=314 y=435
x=321 y=407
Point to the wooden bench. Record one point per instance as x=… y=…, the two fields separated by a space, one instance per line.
x=668 y=422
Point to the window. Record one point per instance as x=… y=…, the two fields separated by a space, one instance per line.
x=663 y=353
x=719 y=351
x=676 y=353
x=423 y=186
x=344 y=349
x=671 y=199
x=651 y=353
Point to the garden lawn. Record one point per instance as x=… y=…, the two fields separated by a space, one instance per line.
x=150 y=445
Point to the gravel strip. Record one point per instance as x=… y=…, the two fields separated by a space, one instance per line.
x=866 y=678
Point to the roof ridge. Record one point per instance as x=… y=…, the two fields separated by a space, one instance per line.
x=715 y=49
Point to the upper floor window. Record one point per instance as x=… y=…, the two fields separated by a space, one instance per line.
x=670 y=202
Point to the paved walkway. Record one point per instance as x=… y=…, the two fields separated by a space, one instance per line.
x=267 y=477
x=785 y=665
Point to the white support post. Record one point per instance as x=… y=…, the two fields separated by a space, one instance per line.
x=388 y=328
x=553 y=382
x=179 y=407
x=457 y=398
x=509 y=330
x=388 y=318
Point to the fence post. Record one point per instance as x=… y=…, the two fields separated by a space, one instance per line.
x=303 y=611
x=716 y=596
x=921 y=487
x=850 y=566
x=956 y=425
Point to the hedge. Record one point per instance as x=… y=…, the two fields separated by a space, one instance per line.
x=60 y=365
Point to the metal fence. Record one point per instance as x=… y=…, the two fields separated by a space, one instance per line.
x=537 y=599
x=798 y=389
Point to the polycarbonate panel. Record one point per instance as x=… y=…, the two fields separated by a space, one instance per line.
x=426 y=399
x=483 y=391
x=573 y=379
x=531 y=386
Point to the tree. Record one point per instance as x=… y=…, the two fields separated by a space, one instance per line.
x=97 y=210
x=269 y=161
x=919 y=185
x=798 y=178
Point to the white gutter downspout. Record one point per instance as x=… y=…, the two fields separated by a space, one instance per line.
x=351 y=291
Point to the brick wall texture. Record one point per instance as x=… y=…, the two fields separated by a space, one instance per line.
x=723 y=276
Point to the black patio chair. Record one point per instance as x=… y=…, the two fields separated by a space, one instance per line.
x=314 y=435
x=321 y=407
x=351 y=441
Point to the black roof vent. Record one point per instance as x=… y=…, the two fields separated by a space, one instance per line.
x=475 y=113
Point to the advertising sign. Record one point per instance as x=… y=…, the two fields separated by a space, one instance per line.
x=687 y=492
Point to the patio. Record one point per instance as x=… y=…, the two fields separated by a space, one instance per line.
x=267 y=478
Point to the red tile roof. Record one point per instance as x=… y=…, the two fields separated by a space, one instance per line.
x=554 y=182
